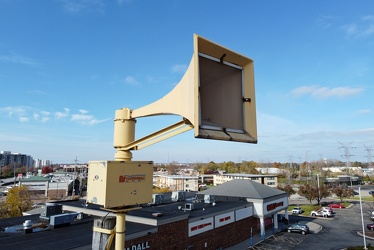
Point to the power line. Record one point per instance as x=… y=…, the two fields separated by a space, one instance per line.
x=347 y=154
x=369 y=149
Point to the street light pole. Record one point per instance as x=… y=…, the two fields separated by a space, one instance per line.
x=362 y=220
x=319 y=190
x=14 y=174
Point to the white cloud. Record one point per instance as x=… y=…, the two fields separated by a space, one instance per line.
x=14 y=111
x=23 y=114
x=59 y=115
x=17 y=59
x=23 y=119
x=82 y=111
x=325 y=92
x=364 y=111
x=131 y=80
x=84 y=118
x=180 y=68
x=81 y=117
x=45 y=119
x=77 y=6
x=326 y=21
x=363 y=28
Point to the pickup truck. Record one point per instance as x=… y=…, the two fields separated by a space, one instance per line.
x=321 y=213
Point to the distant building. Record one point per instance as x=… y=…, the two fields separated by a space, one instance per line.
x=54 y=188
x=42 y=163
x=7 y=158
x=269 y=180
x=176 y=182
x=270 y=170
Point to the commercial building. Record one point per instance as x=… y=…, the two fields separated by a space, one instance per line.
x=176 y=182
x=269 y=180
x=215 y=218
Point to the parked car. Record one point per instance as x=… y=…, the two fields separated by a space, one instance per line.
x=298 y=228
x=370 y=226
x=327 y=209
x=297 y=210
x=321 y=213
x=371 y=192
x=336 y=205
x=372 y=215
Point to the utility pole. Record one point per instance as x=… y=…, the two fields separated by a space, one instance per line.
x=290 y=159
x=347 y=155
x=369 y=149
x=307 y=165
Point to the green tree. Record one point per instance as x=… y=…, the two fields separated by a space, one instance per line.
x=288 y=189
x=230 y=167
x=249 y=167
x=18 y=201
x=4 y=210
x=342 y=192
x=307 y=191
x=322 y=192
x=313 y=192
x=6 y=171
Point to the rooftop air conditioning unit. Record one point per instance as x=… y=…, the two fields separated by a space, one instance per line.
x=209 y=198
x=157 y=199
x=50 y=209
x=178 y=196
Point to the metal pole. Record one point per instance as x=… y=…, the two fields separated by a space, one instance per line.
x=362 y=220
x=124 y=133
x=251 y=239
x=14 y=174
x=120 y=231
x=319 y=191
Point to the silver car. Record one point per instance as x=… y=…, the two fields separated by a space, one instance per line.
x=298 y=228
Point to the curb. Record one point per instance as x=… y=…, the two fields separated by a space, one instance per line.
x=369 y=237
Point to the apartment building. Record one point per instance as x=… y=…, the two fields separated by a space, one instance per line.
x=8 y=158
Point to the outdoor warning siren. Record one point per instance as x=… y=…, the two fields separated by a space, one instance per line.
x=215 y=97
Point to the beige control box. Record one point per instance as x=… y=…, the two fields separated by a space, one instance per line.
x=119 y=183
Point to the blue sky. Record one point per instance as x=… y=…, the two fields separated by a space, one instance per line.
x=66 y=66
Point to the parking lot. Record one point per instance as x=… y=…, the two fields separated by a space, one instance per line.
x=281 y=240
x=338 y=232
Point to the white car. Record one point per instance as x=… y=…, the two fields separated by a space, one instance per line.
x=297 y=210
x=321 y=212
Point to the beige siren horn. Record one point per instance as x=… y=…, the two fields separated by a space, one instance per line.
x=215 y=97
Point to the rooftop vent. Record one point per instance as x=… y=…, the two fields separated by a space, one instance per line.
x=189 y=206
x=157 y=214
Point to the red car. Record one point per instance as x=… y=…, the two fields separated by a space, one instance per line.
x=370 y=226
x=336 y=205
